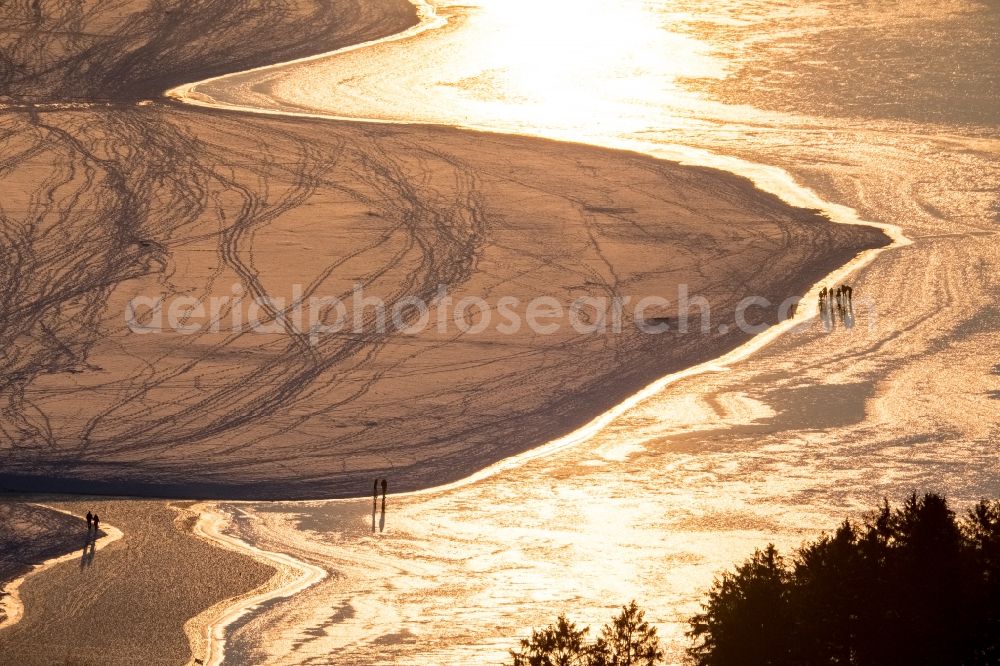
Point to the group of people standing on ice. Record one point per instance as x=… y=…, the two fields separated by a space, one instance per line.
x=837 y=303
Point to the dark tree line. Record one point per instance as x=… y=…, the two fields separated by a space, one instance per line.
x=913 y=585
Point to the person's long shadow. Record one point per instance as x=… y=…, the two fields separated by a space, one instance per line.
x=381 y=522
x=848 y=316
x=89 y=550
x=826 y=314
